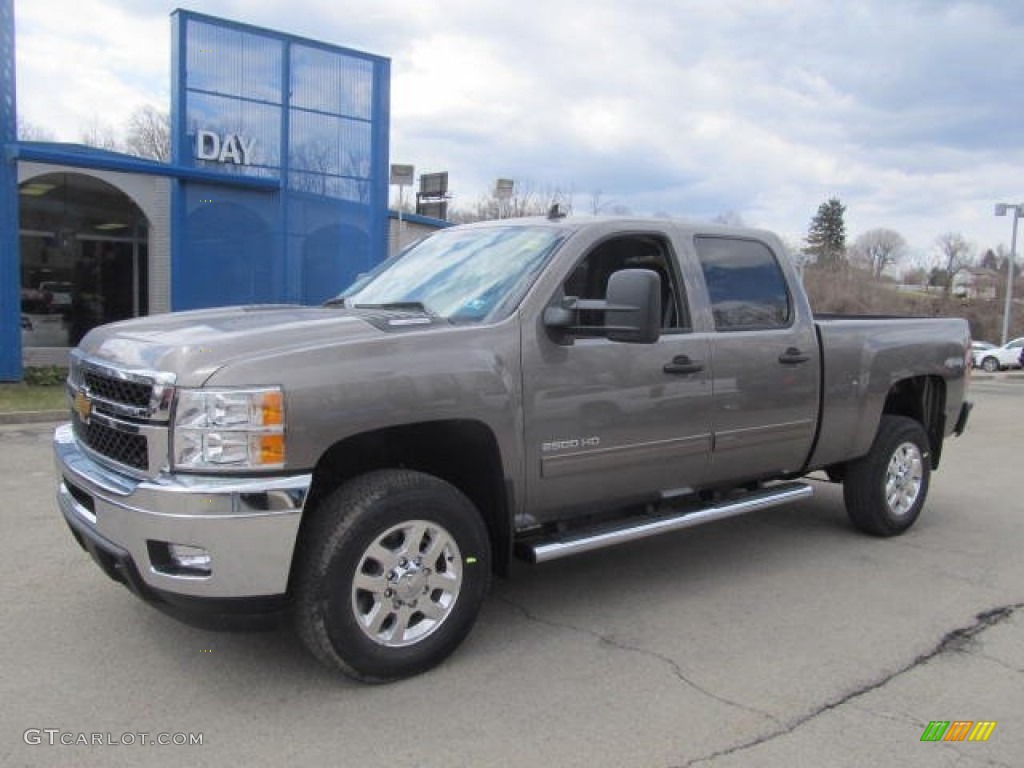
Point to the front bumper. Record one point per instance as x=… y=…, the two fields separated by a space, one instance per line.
x=247 y=525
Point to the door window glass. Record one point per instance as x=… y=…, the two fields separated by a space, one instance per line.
x=590 y=278
x=746 y=286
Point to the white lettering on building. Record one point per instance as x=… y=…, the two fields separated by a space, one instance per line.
x=231 y=148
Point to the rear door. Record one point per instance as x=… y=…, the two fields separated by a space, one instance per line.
x=764 y=357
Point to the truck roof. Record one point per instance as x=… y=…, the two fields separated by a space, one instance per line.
x=626 y=223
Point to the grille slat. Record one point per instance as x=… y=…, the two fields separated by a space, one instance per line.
x=123 y=447
x=135 y=394
x=121 y=414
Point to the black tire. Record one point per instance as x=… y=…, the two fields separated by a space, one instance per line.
x=885 y=490
x=990 y=365
x=393 y=568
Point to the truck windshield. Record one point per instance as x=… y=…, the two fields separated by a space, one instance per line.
x=462 y=275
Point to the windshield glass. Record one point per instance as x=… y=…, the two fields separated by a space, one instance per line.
x=460 y=275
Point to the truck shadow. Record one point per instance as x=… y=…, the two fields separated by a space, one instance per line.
x=741 y=550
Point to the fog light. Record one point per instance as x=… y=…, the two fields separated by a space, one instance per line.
x=189 y=559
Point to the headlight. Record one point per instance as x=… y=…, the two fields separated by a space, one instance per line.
x=226 y=429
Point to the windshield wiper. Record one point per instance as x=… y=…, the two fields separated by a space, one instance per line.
x=337 y=301
x=418 y=306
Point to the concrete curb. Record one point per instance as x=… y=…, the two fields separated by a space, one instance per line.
x=33 y=417
x=980 y=374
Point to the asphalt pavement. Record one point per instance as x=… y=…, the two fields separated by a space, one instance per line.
x=783 y=638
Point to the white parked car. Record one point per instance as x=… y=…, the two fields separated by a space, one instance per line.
x=978 y=350
x=998 y=358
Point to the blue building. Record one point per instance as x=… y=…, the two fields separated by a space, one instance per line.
x=276 y=191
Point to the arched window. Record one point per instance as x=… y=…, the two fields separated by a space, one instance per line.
x=84 y=248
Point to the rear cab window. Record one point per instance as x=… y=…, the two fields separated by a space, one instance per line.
x=746 y=285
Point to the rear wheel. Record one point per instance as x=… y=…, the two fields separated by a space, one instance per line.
x=885 y=490
x=990 y=365
x=393 y=570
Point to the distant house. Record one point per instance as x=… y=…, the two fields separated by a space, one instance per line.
x=975 y=283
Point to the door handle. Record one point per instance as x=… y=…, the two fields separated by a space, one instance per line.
x=683 y=364
x=793 y=356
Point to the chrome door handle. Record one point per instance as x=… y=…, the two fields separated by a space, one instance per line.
x=683 y=364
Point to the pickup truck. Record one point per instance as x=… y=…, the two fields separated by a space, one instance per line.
x=531 y=388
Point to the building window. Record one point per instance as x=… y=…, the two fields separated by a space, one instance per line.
x=84 y=249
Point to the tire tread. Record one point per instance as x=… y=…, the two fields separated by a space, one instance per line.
x=332 y=524
x=862 y=491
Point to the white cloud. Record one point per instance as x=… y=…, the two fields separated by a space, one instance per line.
x=907 y=109
x=100 y=67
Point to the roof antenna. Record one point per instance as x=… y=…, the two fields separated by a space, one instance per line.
x=555 y=212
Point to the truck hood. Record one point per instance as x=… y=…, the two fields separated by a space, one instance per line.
x=194 y=345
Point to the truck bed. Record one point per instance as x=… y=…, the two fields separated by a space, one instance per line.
x=863 y=357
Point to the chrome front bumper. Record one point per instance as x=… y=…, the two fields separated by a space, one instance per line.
x=247 y=525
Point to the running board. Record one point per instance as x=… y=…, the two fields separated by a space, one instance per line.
x=575 y=542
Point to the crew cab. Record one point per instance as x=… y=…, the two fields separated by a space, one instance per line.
x=530 y=388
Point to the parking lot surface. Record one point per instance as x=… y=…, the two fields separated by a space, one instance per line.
x=783 y=638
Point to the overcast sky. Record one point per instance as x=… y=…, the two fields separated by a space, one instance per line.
x=911 y=111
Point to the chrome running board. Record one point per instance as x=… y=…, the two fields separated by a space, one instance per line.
x=565 y=544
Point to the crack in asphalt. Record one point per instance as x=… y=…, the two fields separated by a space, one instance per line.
x=958 y=640
x=677 y=670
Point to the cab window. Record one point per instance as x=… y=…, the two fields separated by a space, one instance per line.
x=746 y=285
x=590 y=278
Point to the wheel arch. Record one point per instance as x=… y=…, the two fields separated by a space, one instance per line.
x=923 y=399
x=462 y=452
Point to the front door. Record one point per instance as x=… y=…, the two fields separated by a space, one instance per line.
x=608 y=421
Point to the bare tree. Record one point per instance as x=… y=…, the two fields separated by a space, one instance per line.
x=880 y=248
x=29 y=131
x=97 y=133
x=956 y=254
x=527 y=200
x=599 y=204
x=149 y=134
x=730 y=218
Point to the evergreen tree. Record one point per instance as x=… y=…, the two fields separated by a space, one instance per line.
x=826 y=237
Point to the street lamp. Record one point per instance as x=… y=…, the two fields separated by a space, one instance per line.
x=1018 y=211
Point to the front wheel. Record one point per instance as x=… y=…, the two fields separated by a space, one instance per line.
x=990 y=365
x=885 y=490
x=392 y=572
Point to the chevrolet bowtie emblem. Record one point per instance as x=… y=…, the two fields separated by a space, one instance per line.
x=83 y=406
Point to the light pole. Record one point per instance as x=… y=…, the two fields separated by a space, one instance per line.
x=403 y=176
x=1018 y=211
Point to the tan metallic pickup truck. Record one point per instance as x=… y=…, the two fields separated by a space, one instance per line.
x=532 y=388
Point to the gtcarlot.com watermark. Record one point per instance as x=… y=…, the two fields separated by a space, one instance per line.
x=56 y=737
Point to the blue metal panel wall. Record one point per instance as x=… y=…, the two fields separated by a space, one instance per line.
x=319 y=116
x=10 y=296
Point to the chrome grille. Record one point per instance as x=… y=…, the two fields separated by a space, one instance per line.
x=125 y=448
x=133 y=393
x=121 y=414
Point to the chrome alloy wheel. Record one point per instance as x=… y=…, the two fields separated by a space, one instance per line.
x=406 y=583
x=903 y=478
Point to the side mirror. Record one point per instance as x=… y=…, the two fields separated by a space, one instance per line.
x=633 y=312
